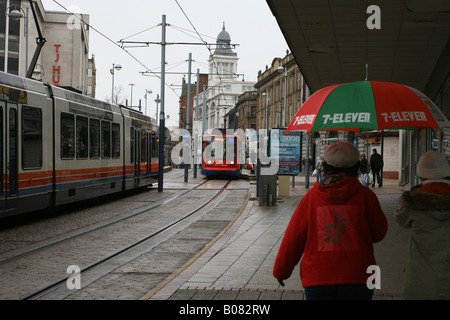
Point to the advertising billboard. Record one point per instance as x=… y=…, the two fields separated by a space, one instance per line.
x=287 y=147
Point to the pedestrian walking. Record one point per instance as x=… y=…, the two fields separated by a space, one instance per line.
x=426 y=211
x=319 y=168
x=333 y=230
x=363 y=169
x=376 y=165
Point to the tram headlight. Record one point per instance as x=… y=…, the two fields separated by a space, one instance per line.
x=209 y=162
x=231 y=162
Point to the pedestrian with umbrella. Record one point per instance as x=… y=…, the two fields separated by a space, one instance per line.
x=333 y=230
x=323 y=231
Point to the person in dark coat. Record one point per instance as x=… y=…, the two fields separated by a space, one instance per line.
x=363 y=169
x=376 y=164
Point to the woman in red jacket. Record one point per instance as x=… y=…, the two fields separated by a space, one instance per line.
x=334 y=228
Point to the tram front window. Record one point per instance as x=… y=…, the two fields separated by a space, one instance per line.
x=221 y=149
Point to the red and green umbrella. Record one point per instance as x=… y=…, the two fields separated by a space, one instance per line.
x=368 y=105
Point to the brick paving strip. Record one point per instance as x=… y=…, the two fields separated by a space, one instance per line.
x=165 y=289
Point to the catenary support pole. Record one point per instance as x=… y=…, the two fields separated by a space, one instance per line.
x=308 y=137
x=186 y=155
x=161 y=114
x=195 y=127
x=204 y=111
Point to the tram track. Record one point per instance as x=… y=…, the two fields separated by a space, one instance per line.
x=95 y=264
x=42 y=245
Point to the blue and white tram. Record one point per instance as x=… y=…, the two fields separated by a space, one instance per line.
x=58 y=147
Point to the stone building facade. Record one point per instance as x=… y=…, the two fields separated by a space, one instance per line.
x=277 y=106
x=281 y=92
x=243 y=116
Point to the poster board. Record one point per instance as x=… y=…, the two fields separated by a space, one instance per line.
x=287 y=148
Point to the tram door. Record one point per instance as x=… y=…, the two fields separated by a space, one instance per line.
x=8 y=156
x=148 y=152
x=137 y=157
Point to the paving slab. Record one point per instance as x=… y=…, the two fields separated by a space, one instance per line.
x=239 y=266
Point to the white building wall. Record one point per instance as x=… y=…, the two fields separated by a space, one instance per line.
x=224 y=87
x=71 y=40
x=65 y=55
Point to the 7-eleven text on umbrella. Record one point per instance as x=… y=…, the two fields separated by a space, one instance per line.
x=305 y=119
x=405 y=116
x=350 y=117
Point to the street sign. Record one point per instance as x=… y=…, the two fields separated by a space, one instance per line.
x=287 y=147
x=186 y=135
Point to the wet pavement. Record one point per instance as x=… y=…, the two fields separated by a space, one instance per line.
x=237 y=265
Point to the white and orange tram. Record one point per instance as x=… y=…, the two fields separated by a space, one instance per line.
x=221 y=154
x=58 y=147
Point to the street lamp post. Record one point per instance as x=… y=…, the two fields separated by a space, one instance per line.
x=6 y=39
x=280 y=69
x=161 y=118
x=266 y=94
x=131 y=100
x=39 y=71
x=258 y=162
x=157 y=100
x=147 y=92
x=307 y=164
x=195 y=127
x=118 y=68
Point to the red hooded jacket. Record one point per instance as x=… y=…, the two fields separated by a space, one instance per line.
x=334 y=228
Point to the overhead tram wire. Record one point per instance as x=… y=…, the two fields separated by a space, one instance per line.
x=140 y=32
x=79 y=17
x=172 y=66
x=207 y=47
x=187 y=32
x=200 y=37
x=135 y=44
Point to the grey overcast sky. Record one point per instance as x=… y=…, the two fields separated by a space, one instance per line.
x=250 y=24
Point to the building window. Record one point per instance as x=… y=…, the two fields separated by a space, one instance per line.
x=291 y=84
x=13 y=37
